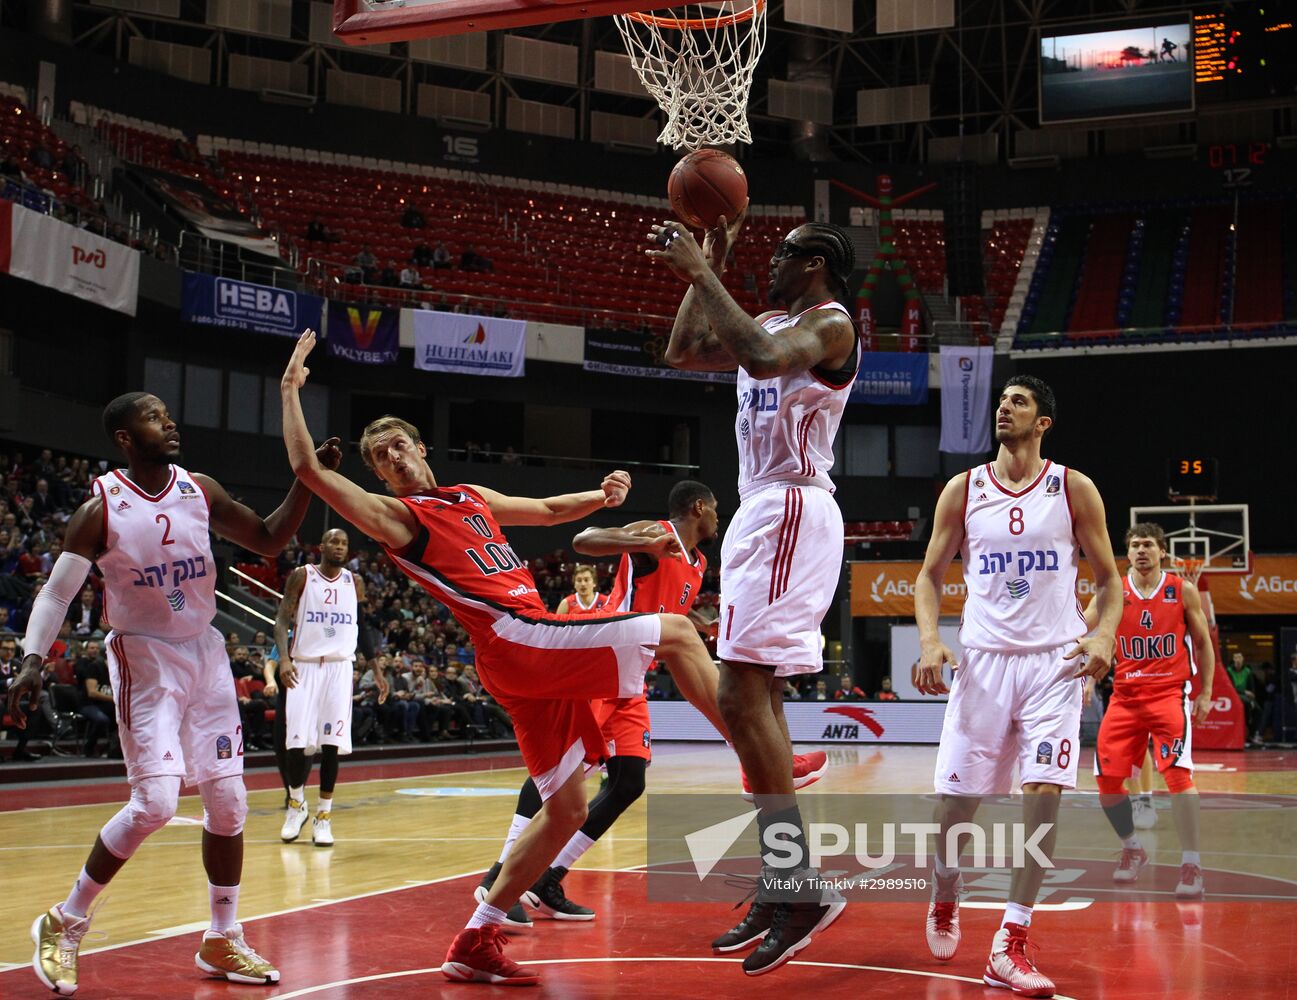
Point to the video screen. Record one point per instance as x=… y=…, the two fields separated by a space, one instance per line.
x=1117 y=73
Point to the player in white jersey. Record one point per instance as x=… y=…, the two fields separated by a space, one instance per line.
x=783 y=551
x=1016 y=696
x=146 y=528
x=322 y=606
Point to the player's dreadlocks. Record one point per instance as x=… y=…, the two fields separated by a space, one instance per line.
x=834 y=243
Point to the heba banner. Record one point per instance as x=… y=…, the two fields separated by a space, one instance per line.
x=210 y=301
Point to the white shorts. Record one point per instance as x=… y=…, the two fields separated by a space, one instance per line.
x=318 y=709
x=780 y=567
x=177 y=712
x=1008 y=707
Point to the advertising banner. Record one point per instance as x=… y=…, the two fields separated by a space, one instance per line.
x=365 y=334
x=631 y=352
x=891 y=379
x=966 y=399
x=210 y=301
x=469 y=345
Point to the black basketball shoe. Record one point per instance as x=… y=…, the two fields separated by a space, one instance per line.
x=751 y=929
x=515 y=916
x=791 y=929
x=548 y=897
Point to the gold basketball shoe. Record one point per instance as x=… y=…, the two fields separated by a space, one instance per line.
x=230 y=957
x=58 y=941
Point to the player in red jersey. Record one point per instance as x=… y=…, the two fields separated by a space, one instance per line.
x=660 y=572
x=542 y=668
x=585 y=598
x=1161 y=642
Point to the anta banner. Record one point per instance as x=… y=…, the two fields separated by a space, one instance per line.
x=366 y=334
x=469 y=345
x=891 y=379
x=840 y=722
x=210 y=301
x=966 y=399
x=886 y=589
x=39 y=248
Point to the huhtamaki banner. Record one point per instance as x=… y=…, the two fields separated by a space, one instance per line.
x=886 y=589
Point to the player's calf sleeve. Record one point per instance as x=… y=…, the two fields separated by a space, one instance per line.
x=328 y=768
x=225 y=805
x=152 y=803
x=1117 y=806
x=1178 y=779
x=625 y=784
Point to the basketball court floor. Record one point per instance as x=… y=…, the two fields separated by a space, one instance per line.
x=372 y=916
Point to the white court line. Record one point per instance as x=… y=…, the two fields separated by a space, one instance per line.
x=258 y=791
x=436 y=970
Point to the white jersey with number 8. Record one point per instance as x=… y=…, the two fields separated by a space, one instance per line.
x=1020 y=563
x=326 y=626
x=159 y=575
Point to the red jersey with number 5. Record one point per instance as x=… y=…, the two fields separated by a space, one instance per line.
x=1020 y=563
x=671 y=587
x=461 y=557
x=1154 y=656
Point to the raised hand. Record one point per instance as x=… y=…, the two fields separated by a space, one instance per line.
x=673 y=244
x=718 y=240
x=296 y=373
x=615 y=487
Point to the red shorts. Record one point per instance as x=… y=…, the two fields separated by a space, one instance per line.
x=1127 y=726
x=625 y=726
x=546 y=672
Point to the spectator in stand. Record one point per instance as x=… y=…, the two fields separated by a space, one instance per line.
x=441 y=258
x=470 y=260
x=497 y=719
x=95 y=697
x=367 y=262
x=40 y=156
x=885 y=693
x=421 y=256
x=241 y=665
x=390 y=277
x=410 y=277
x=85 y=615
x=440 y=707
x=9 y=167
x=821 y=691
x=43 y=504
x=318 y=232
x=363 y=719
x=1240 y=675
x=849 y=692
x=401 y=715
x=412 y=218
x=72 y=161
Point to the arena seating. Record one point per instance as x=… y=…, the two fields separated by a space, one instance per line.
x=21 y=132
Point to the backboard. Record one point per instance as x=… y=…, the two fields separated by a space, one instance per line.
x=364 y=22
x=1218 y=534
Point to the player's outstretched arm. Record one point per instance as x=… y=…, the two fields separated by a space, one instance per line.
x=693 y=346
x=1195 y=619
x=1089 y=521
x=82 y=542
x=947 y=537
x=559 y=509
x=284 y=619
x=385 y=519
x=266 y=536
x=638 y=537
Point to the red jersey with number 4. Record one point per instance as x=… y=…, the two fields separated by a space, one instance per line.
x=461 y=557
x=671 y=587
x=598 y=605
x=1153 y=652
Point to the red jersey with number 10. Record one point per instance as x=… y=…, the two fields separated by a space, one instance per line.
x=671 y=587
x=1153 y=652
x=461 y=557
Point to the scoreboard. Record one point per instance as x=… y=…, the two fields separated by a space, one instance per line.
x=1245 y=53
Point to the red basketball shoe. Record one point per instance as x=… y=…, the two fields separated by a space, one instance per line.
x=942 y=926
x=1009 y=968
x=808 y=768
x=1128 y=868
x=477 y=956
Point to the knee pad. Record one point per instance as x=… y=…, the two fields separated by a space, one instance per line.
x=225 y=805
x=152 y=803
x=626 y=780
x=1110 y=784
x=1178 y=779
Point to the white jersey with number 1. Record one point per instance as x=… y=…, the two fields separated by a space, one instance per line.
x=326 y=627
x=1020 y=563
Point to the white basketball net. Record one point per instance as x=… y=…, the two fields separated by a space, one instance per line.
x=697 y=62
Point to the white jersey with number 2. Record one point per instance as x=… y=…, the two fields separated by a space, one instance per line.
x=785 y=425
x=1020 y=563
x=326 y=626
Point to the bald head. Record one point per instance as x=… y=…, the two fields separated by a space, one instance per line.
x=334 y=548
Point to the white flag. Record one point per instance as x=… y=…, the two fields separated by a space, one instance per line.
x=470 y=345
x=966 y=399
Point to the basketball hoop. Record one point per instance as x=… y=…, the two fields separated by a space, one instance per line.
x=1190 y=568
x=697 y=62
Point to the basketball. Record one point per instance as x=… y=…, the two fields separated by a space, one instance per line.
x=705 y=185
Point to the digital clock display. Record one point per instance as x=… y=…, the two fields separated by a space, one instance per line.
x=1191 y=478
